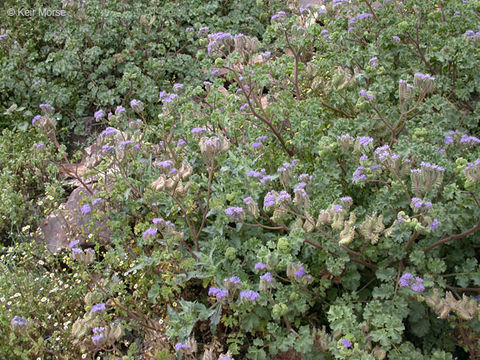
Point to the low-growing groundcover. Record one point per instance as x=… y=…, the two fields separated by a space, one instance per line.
x=311 y=195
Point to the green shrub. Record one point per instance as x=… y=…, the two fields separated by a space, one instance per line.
x=316 y=196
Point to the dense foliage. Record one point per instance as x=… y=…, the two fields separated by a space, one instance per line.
x=310 y=191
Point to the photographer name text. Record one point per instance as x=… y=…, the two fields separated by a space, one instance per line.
x=43 y=12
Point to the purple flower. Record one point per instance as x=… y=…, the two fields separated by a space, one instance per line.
x=217 y=292
x=36 y=118
x=267 y=277
x=221 y=294
x=337 y=207
x=233 y=211
x=73 y=243
x=46 y=108
x=278 y=15
x=417 y=286
x=85 y=209
x=198 y=130
x=109 y=131
x=256 y=144
x=99 y=114
x=181 y=142
x=40 y=145
x=434 y=224
x=250 y=295
x=119 y=110
x=158 y=221
x=266 y=54
x=180 y=346
x=300 y=272
x=248 y=200
x=346 y=199
x=135 y=103
x=165 y=164
x=97 y=307
x=169 y=98
x=177 y=85
x=125 y=143
x=108 y=148
x=365 y=94
x=97 y=201
x=346 y=343
x=97 y=338
x=396 y=38
x=283 y=196
x=213 y=291
x=243 y=107
x=234 y=280
x=19 y=321
x=365 y=140
x=98 y=330
x=260 y=266
x=373 y=61
x=405 y=279
x=269 y=200
x=224 y=358
x=77 y=251
x=149 y=232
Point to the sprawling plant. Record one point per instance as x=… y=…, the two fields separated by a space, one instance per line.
x=312 y=194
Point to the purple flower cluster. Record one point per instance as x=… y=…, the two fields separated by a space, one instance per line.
x=99 y=114
x=262 y=175
x=427 y=165
x=181 y=346
x=36 y=118
x=469 y=139
x=325 y=33
x=234 y=211
x=149 y=232
x=365 y=94
x=418 y=204
x=422 y=76
x=260 y=266
x=198 y=130
x=216 y=38
x=97 y=307
x=434 y=224
x=46 y=108
x=249 y=295
x=414 y=283
x=300 y=189
x=108 y=131
x=359 y=17
x=19 y=321
x=346 y=343
x=364 y=140
x=300 y=272
x=85 y=209
x=339 y=2
x=358 y=175
x=278 y=15
x=217 y=292
x=373 y=61
x=472 y=34
x=267 y=277
x=248 y=200
x=234 y=280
